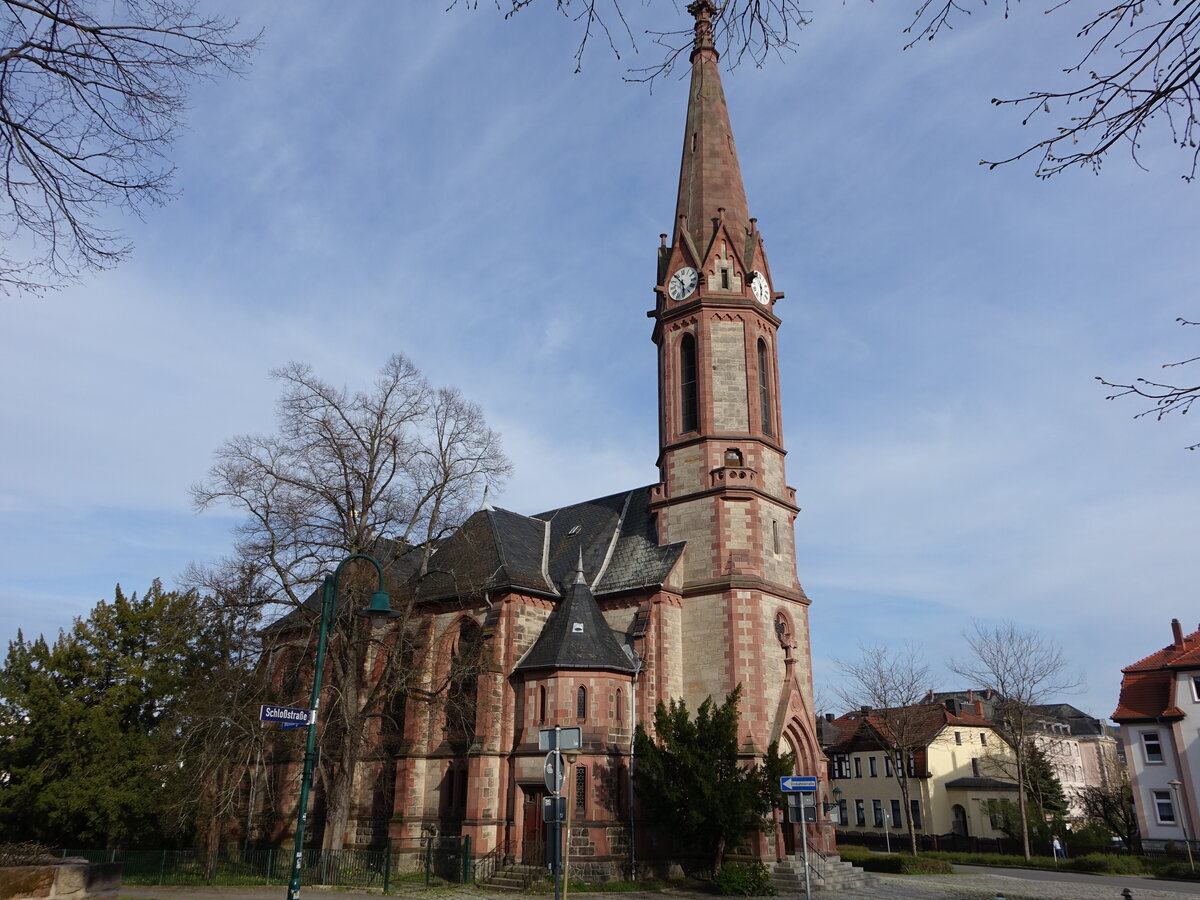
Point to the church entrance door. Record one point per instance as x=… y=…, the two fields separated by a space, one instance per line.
x=533 y=832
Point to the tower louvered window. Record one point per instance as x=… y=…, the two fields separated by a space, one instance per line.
x=689 y=400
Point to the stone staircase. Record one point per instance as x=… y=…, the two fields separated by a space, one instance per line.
x=829 y=874
x=514 y=877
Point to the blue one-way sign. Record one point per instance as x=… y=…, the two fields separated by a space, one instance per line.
x=806 y=784
x=286 y=714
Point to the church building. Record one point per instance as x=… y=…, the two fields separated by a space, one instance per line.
x=590 y=614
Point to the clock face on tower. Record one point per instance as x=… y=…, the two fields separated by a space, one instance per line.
x=683 y=282
x=762 y=290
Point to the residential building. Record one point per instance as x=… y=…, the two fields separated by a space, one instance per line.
x=591 y=613
x=1159 y=715
x=1081 y=749
x=958 y=764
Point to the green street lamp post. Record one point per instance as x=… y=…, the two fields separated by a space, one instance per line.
x=380 y=608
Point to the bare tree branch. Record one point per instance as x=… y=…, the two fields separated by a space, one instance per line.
x=1167 y=398
x=91 y=96
x=1140 y=63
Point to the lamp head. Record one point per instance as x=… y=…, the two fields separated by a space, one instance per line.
x=380 y=608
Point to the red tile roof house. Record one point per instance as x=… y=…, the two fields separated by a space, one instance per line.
x=1159 y=715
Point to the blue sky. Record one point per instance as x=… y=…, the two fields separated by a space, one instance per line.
x=441 y=184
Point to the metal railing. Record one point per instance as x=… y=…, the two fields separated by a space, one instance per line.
x=417 y=865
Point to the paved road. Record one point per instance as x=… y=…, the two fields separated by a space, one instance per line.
x=969 y=883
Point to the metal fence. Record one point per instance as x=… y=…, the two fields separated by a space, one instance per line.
x=416 y=865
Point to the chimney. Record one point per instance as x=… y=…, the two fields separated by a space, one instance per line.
x=864 y=710
x=828 y=717
x=979 y=708
x=1177 y=632
x=952 y=705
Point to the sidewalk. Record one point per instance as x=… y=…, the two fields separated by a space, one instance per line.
x=961 y=886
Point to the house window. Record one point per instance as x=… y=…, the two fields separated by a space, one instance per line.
x=724 y=278
x=975 y=766
x=860 y=813
x=1196 y=688
x=877 y=812
x=764 y=388
x=841 y=765
x=620 y=708
x=914 y=812
x=912 y=765
x=1151 y=747
x=871 y=767
x=958 y=737
x=542 y=705
x=1164 y=809
x=887 y=766
x=689 y=402
x=843 y=813
x=858 y=767
x=581 y=703
x=983 y=738
x=580 y=788
x=896 y=820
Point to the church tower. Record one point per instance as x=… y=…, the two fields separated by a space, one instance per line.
x=722 y=489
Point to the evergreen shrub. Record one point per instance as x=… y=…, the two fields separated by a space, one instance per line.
x=744 y=880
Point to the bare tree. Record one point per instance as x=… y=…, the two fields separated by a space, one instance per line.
x=1167 y=398
x=1026 y=669
x=892 y=681
x=385 y=472
x=91 y=96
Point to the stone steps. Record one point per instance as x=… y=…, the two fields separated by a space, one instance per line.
x=838 y=875
x=514 y=877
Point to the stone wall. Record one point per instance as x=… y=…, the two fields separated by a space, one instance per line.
x=66 y=880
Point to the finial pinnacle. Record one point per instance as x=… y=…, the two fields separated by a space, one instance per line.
x=703 y=11
x=579 y=579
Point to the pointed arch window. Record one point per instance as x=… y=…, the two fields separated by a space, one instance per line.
x=764 y=388
x=542 y=705
x=619 y=712
x=581 y=703
x=689 y=398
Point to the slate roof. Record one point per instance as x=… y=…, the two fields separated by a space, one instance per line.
x=1148 y=684
x=498 y=549
x=576 y=636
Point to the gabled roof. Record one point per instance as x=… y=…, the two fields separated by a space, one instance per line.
x=1147 y=685
x=873 y=729
x=576 y=636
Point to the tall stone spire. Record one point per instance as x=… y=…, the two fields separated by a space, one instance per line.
x=710 y=178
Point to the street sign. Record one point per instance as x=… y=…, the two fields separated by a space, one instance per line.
x=804 y=783
x=285 y=714
x=560 y=738
x=553 y=772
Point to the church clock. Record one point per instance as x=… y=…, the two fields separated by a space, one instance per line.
x=683 y=282
x=762 y=290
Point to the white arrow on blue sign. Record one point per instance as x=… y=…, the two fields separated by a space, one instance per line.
x=806 y=784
